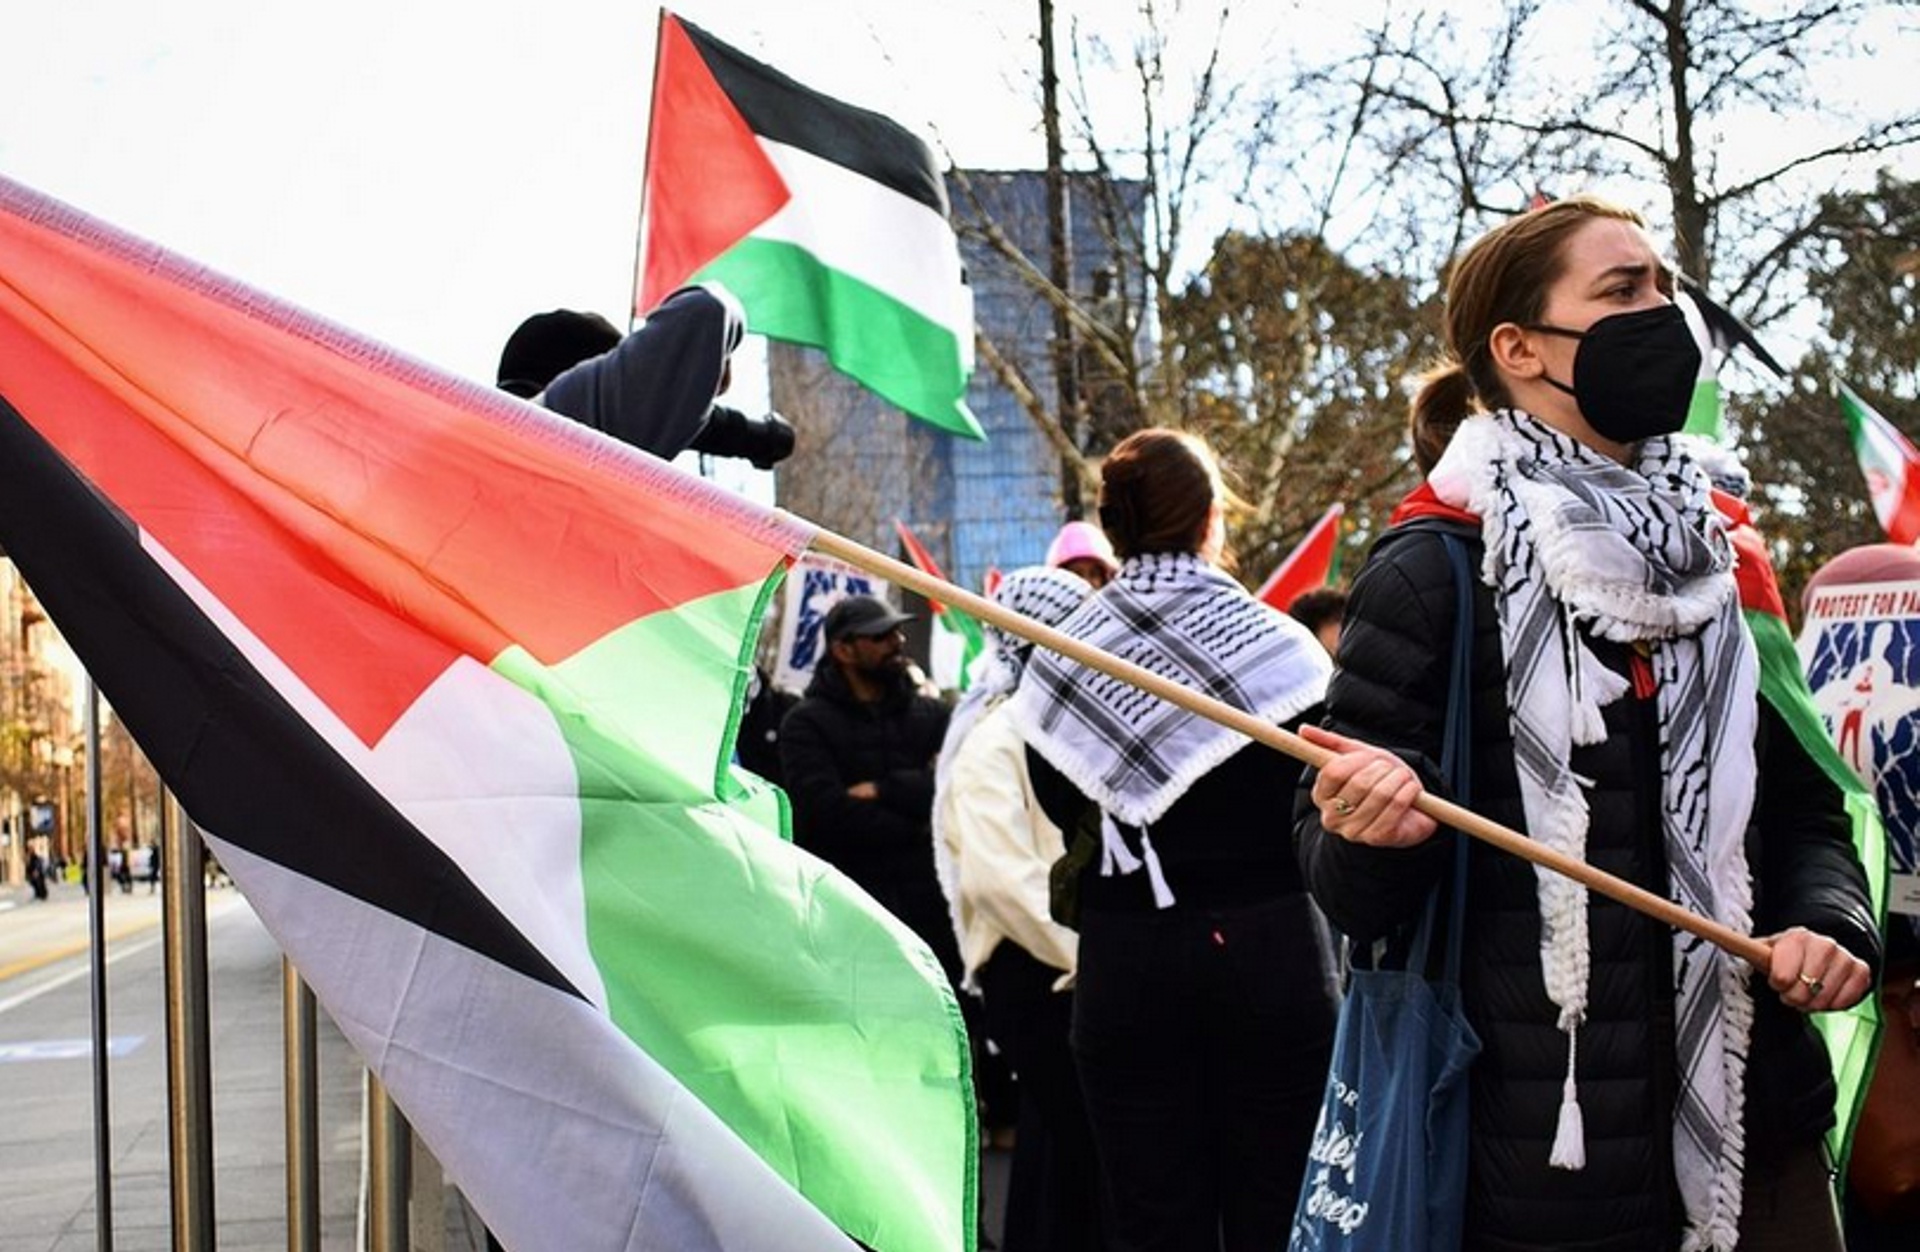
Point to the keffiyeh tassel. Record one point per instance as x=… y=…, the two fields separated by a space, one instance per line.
x=1570 y=1135
x=1117 y=858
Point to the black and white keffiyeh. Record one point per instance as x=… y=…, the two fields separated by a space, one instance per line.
x=1044 y=594
x=1177 y=616
x=1576 y=541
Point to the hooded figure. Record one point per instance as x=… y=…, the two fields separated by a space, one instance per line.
x=655 y=388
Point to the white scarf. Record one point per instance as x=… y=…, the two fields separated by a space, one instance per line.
x=1636 y=555
x=1133 y=753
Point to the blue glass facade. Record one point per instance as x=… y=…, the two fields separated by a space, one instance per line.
x=977 y=506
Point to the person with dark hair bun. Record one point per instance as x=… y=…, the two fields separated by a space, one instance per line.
x=1320 y=611
x=1203 y=1017
x=1637 y=1088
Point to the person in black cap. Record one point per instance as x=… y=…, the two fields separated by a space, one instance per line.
x=655 y=388
x=858 y=753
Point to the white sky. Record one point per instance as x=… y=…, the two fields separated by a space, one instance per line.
x=430 y=172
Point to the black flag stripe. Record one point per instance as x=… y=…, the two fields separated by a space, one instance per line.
x=243 y=762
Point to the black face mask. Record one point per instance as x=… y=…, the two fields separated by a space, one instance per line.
x=1633 y=374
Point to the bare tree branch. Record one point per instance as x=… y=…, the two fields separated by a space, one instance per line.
x=1042 y=416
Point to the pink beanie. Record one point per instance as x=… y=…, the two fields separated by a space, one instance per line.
x=1078 y=541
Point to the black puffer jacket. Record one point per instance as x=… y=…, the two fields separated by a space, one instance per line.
x=1390 y=689
x=829 y=742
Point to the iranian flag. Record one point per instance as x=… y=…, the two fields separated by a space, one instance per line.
x=1891 y=464
x=827 y=221
x=1314 y=562
x=450 y=686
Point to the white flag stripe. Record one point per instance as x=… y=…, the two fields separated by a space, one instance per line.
x=871 y=232
x=514 y=1084
x=1881 y=450
x=479 y=767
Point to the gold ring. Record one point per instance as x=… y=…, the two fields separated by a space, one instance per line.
x=1341 y=806
x=1814 y=985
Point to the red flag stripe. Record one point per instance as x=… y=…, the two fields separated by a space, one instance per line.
x=921 y=558
x=708 y=182
x=1308 y=565
x=268 y=459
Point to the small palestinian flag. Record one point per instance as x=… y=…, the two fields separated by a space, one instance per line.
x=1314 y=562
x=962 y=625
x=1718 y=333
x=450 y=685
x=829 y=223
x=1891 y=465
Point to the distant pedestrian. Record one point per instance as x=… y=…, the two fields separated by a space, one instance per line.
x=858 y=755
x=1321 y=611
x=153 y=867
x=1082 y=548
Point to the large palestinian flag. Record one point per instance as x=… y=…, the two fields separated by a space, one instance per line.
x=827 y=221
x=450 y=685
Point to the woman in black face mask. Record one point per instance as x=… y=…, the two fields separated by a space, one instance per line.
x=1635 y=1090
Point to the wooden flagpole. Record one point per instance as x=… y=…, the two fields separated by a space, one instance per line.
x=1753 y=951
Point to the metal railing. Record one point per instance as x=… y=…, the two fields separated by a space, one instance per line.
x=402 y=1198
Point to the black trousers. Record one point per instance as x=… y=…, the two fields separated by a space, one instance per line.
x=1053 y=1193
x=1202 y=1039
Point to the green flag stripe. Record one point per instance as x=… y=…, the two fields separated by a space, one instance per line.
x=1851 y=1037
x=896 y=351
x=972 y=641
x=1704 y=410
x=731 y=958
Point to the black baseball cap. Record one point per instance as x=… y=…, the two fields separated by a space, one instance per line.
x=861 y=617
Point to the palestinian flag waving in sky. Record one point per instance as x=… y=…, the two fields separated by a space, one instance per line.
x=450 y=685
x=1718 y=333
x=828 y=222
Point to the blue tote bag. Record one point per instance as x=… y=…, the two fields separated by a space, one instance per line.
x=1387 y=1171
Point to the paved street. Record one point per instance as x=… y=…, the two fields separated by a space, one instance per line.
x=46 y=1106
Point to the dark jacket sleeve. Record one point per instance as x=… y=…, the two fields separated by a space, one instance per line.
x=1389 y=689
x=1809 y=872
x=655 y=388
x=825 y=816
x=908 y=790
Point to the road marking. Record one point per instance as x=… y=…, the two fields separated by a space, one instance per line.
x=66 y=1049
x=114 y=954
x=83 y=970
x=28 y=963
